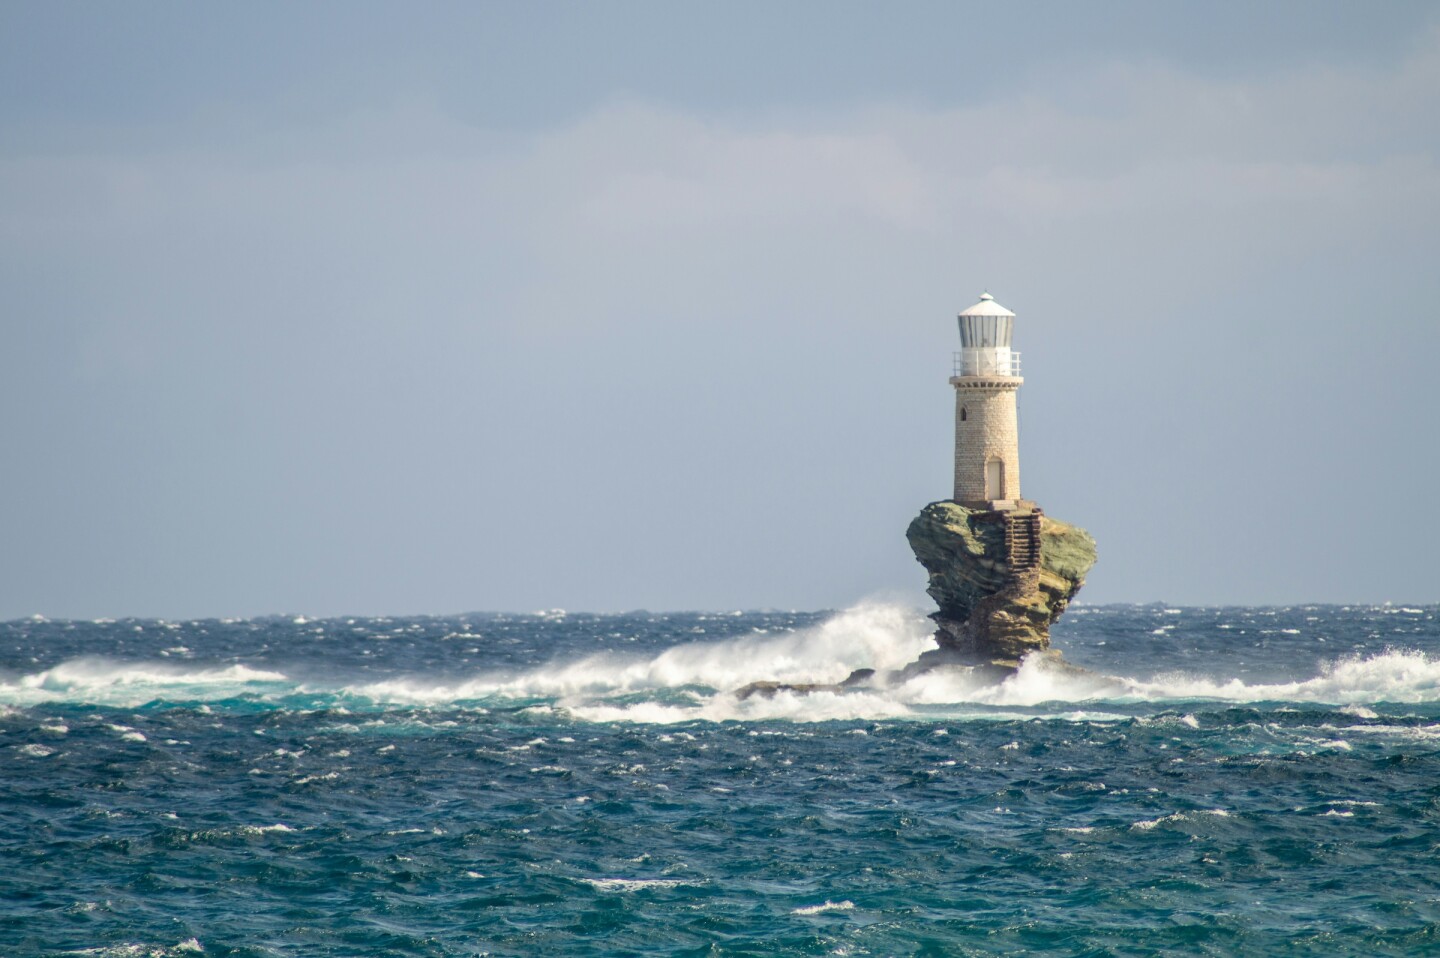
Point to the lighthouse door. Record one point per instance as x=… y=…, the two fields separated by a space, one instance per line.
x=994 y=479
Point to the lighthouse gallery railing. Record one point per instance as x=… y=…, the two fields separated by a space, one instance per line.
x=973 y=365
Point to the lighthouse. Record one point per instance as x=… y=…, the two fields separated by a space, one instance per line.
x=987 y=436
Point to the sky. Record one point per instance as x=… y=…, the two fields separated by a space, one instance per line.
x=382 y=308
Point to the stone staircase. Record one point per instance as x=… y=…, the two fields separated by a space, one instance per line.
x=1022 y=543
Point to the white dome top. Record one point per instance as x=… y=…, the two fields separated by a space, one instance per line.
x=987 y=307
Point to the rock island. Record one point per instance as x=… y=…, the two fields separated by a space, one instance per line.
x=1001 y=571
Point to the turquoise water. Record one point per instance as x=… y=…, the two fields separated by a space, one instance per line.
x=1252 y=782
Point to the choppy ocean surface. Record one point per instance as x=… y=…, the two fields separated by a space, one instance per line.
x=1258 y=782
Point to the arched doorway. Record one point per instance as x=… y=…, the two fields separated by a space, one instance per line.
x=994 y=479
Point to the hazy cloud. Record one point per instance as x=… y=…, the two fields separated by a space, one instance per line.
x=392 y=359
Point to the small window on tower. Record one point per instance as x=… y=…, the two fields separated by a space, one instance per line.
x=962 y=413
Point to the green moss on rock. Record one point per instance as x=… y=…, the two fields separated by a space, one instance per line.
x=987 y=615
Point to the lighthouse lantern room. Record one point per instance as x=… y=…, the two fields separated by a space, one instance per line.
x=987 y=439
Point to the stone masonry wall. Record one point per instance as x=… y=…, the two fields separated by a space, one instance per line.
x=988 y=429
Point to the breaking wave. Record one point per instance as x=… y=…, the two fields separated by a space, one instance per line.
x=868 y=636
x=1397 y=677
x=96 y=680
x=1391 y=676
x=695 y=681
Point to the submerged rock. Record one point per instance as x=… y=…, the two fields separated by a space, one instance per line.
x=993 y=612
x=767 y=690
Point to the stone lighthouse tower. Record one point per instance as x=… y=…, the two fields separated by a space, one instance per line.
x=987 y=436
x=1001 y=571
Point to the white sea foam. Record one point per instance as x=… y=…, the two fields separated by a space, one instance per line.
x=702 y=675
x=1176 y=817
x=101 y=681
x=1339 y=808
x=263 y=829
x=696 y=681
x=824 y=907
x=1390 y=676
x=189 y=946
x=632 y=884
x=1035 y=682
x=308 y=779
x=867 y=636
x=724 y=707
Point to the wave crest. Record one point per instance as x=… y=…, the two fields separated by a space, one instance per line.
x=867 y=636
x=694 y=681
x=1395 y=675
x=100 y=681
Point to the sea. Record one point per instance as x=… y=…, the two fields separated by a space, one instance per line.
x=1226 y=781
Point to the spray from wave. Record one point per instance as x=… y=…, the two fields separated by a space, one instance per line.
x=695 y=681
x=867 y=636
x=95 y=680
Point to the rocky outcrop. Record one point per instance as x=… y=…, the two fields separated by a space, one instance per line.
x=767 y=690
x=994 y=612
x=1000 y=579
